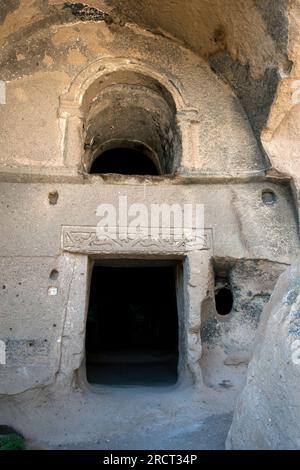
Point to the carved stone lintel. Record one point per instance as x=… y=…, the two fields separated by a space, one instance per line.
x=86 y=240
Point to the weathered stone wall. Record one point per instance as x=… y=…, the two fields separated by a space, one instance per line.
x=33 y=96
x=250 y=59
x=267 y=412
x=213 y=103
x=32 y=321
x=280 y=138
x=228 y=341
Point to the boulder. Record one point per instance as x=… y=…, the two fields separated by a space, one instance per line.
x=267 y=414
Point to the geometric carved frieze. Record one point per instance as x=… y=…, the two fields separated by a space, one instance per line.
x=85 y=240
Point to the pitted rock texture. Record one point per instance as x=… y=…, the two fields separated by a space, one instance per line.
x=267 y=415
x=87 y=13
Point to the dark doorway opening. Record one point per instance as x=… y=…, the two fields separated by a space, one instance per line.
x=132 y=326
x=124 y=161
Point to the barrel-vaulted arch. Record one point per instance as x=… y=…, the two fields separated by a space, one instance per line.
x=241 y=39
x=89 y=111
x=108 y=65
x=191 y=134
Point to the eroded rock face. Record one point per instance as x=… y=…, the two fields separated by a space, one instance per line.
x=267 y=414
x=189 y=83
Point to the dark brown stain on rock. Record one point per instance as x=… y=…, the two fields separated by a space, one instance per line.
x=255 y=95
x=87 y=13
x=274 y=13
x=8 y=7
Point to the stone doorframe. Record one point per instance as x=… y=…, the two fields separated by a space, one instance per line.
x=81 y=246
